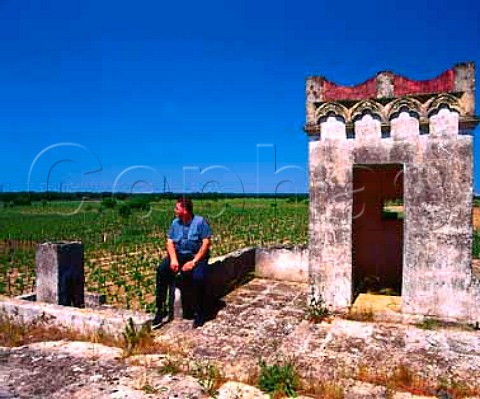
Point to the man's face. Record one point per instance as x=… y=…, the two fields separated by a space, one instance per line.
x=180 y=211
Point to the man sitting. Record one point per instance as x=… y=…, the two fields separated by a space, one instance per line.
x=188 y=245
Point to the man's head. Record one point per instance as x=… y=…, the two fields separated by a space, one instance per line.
x=184 y=208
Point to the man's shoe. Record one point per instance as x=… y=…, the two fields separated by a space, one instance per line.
x=198 y=321
x=160 y=319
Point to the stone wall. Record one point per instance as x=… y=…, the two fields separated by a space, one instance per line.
x=105 y=320
x=284 y=264
x=230 y=270
x=227 y=272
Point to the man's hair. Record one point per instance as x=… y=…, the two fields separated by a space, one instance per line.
x=186 y=203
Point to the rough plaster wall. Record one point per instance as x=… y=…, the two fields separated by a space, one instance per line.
x=47 y=273
x=438 y=202
x=437 y=195
x=284 y=264
x=404 y=128
x=330 y=215
x=444 y=124
x=367 y=131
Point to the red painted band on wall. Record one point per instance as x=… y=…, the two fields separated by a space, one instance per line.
x=333 y=92
x=445 y=83
x=441 y=84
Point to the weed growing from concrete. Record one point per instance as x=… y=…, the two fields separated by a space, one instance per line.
x=328 y=390
x=171 y=366
x=321 y=386
x=16 y=332
x=149 y=389
x=400 y=378
x=331 y=390
x=136 y=337
x=316 y=311
x=11 y=333
x=278 y=379
x=448 y=387
x=208 y=376
x=144 y=383
x=403 y=378
x=428 y=324
x=476 y=244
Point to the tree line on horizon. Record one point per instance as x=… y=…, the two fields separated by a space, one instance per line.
x=26 y=198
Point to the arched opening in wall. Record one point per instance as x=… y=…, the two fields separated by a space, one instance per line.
x=377 y=229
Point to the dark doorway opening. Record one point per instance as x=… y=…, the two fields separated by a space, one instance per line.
x=377 y=229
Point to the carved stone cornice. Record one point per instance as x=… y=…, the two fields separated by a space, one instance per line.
x=422 y=107
x=387 y=95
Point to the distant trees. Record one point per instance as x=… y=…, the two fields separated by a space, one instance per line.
x=22 y=199
x=135 y=201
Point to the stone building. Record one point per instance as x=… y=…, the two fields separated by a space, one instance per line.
x=387 y=141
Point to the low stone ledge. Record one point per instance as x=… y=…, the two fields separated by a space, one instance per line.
x=282 y=263
x=230 y=270
x=92 y=299
x=84 y=321
x=277 y=263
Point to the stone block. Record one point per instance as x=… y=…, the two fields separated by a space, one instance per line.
x=60 y=273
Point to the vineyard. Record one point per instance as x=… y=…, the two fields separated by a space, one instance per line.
x=123 y=248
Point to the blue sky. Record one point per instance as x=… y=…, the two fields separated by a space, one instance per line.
x=196 y=95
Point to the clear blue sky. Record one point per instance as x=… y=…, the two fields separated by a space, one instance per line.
x=196 y=93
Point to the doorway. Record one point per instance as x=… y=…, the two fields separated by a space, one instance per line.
x=377 y=229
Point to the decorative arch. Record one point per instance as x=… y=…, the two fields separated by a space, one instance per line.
x=434 y=105
x=411 y=105
x=367 y=107
x=331 y=109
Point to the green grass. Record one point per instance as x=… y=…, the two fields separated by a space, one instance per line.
x=279 y=379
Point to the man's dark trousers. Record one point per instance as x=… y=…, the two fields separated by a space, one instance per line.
x=192 y=284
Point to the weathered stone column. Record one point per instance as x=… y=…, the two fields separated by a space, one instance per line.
x=330 y=264
x=60 y=273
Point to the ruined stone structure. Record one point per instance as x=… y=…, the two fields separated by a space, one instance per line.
x=60 y=276
x=386 y=139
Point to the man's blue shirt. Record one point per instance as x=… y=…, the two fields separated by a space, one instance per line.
x=188 y=237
